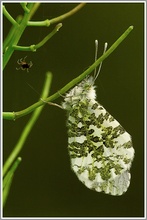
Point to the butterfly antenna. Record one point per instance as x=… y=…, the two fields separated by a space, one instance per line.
x=96 y=55
x=96 y=74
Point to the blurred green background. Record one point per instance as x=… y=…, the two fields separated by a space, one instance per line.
x=44 y=185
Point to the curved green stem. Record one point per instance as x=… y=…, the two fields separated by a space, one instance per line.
x=41 y=43
x=64 y=16
x=15 y=115
x=56 y=29
x=9 y=17
x=48 y=22
x=24 y=6
x=28 y=127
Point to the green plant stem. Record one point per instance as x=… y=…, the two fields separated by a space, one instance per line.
x=28 y=127
x=24 y=6
x=64 y=16
x=11 y=171
x=15 y=38
x=56 y=29
x=8 y=179
x=15 y=115
x=22 y=48
x=41 y=43
x=48 y=22
x=9 y=17
x=34 y=9
x=11 y=34
x=45 y=23
x=29 y=10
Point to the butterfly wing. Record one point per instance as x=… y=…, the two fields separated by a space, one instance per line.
x=101 y=150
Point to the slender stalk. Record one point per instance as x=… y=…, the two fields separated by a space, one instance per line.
x=11 y=34
x=9 y=17
x=15 y=38
x=22 y=48
x=24 y=6
x=64 y=16
x=34 y=9
x=45 y=23
x=48 y=22
x=28 y=127
x=8 y=179
x=15 y=115
x=41 y=43
x=56 y=29
x=11 y=171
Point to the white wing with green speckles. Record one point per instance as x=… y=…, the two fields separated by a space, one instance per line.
x=101 y=151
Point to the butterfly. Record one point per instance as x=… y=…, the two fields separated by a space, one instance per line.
x=101 y=151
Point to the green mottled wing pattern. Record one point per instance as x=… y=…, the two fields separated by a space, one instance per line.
x=101 y=151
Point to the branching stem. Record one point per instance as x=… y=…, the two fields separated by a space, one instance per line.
x=15 y=115
x=28 y=127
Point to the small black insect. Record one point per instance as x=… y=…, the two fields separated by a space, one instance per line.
x=24 y=65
